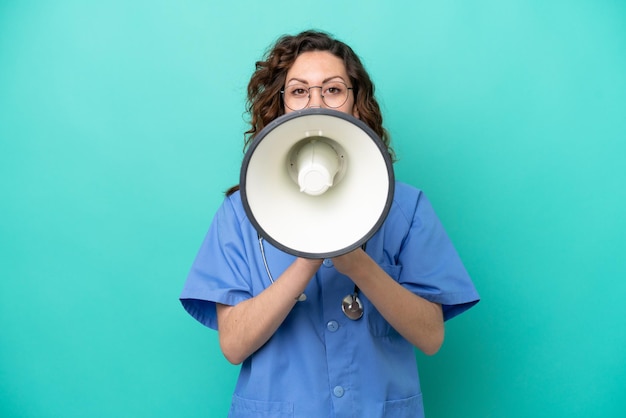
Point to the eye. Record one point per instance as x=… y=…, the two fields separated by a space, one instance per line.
x=334 y=89
x=297 y=91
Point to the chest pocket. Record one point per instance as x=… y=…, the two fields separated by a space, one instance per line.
x=248 y=408
x=411 y=407
x=378 y=326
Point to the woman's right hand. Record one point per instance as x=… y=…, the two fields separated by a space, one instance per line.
x=245 y=327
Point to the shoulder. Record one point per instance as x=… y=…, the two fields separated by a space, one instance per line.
x=232 y=207
x=406 y=199
x=404 y=191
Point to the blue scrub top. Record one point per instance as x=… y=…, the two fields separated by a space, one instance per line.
x=319 y=363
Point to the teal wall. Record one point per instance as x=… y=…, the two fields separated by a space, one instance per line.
x=121 y=124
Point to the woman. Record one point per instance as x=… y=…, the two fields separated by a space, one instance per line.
x=306 y=358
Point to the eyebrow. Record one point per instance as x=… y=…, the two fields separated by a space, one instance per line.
x=306 y=82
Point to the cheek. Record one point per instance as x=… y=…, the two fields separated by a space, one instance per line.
x=352 y=109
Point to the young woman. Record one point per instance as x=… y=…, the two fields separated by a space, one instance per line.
x=309 y=358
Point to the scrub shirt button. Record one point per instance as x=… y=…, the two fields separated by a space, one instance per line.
x=332 y=326
x=328 y=262
x=338 y=391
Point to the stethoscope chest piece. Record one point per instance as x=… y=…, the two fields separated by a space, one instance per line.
x=352 y=307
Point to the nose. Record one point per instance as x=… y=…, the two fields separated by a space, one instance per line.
x=315 y=97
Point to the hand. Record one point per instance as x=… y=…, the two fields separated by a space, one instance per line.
x=314 y=263
x=348 y=263
x=415 y=318
x=246 y=326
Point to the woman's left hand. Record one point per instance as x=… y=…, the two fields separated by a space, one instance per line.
x=415 y=318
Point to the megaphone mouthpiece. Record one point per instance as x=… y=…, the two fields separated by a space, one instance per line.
x=317 y=165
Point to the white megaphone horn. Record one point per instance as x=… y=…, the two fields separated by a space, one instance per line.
x=317 y=183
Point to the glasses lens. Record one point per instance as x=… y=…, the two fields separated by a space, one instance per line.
x=296 y=96
x=334 y=93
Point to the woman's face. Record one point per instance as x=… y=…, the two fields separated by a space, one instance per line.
x=317 y=68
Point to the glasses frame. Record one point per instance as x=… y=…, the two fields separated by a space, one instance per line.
x=282 y=95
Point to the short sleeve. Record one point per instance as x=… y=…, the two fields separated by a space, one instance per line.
x=219 y=273
x=431 y=266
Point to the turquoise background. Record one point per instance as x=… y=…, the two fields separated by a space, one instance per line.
x=121 y=125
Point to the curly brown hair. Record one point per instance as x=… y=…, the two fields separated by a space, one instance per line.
x=264 y=102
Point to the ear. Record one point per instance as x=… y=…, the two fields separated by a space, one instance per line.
x=355 y=112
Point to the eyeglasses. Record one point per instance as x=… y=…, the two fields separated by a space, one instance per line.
x=334 y=94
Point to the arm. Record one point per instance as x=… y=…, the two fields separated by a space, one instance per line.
x=415 y=318
x=245 y=327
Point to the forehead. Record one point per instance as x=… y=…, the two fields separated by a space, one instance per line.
x=316 y=67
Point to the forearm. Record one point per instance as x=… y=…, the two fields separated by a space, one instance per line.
x=245 y=327
x=415 y=318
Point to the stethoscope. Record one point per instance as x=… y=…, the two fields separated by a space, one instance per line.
x=351 y=305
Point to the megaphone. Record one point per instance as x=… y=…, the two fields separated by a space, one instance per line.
x=317 y=183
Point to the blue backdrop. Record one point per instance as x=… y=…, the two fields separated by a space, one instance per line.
x=121 y=124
